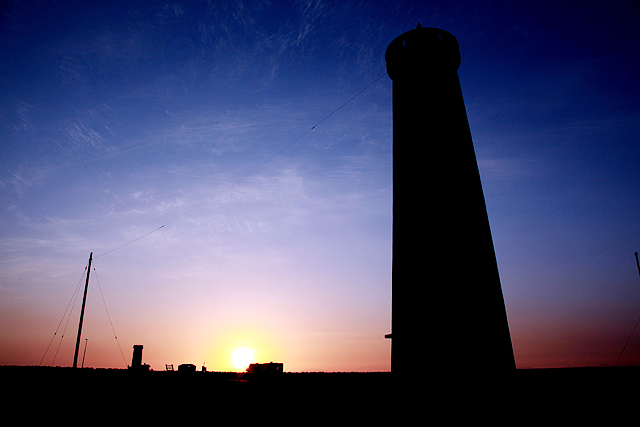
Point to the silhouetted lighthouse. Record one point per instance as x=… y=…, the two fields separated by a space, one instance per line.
x=448 y=308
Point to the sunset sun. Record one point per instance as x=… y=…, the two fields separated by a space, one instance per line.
x=242 y=357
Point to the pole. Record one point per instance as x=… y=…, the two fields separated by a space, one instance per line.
x=84 y=301
x=85 y=351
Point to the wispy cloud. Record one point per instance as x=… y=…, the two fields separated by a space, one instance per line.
x=26 y=176
x=505 y=168
x=310 y=11
x=81 y=137
x=24 y=122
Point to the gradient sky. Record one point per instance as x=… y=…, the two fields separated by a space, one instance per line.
x=197 y=116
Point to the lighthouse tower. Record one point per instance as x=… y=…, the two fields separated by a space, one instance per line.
x=447 y=296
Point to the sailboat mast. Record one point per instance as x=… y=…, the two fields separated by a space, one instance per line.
x=84 y=301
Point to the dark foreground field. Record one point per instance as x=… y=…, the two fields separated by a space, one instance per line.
x=101 y=395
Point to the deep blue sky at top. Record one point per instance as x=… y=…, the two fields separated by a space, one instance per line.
x=120 y=117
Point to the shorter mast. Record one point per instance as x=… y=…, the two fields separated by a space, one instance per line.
x=85 y=351
x=84 y=301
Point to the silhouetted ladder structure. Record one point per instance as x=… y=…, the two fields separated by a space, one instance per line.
x=449 y=307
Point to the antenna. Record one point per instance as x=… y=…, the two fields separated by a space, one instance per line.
x=85 y=351
x=84 y=301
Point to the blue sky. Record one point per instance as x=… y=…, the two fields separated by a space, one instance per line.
x=197 y=117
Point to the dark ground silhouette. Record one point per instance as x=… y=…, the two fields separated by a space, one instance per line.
x=569 y=394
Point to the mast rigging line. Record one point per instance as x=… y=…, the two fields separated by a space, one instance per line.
x=108 y=316
x=65 y=327
x=73 y=299
x=253 y=170
x=69 y=311
x=638 y=322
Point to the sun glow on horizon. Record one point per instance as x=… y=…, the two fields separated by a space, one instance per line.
x=242 y=357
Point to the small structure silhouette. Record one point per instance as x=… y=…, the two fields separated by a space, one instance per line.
x=136 y=360
x=265 y=369
x=186 y=368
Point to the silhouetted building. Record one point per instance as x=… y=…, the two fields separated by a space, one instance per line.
x=136 y=360
x=186 y=367
x=260 y=369
x=448 y=305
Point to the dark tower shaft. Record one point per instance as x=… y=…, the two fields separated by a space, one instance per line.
x=136 y=360
x=447 y=296
x=84 y=301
